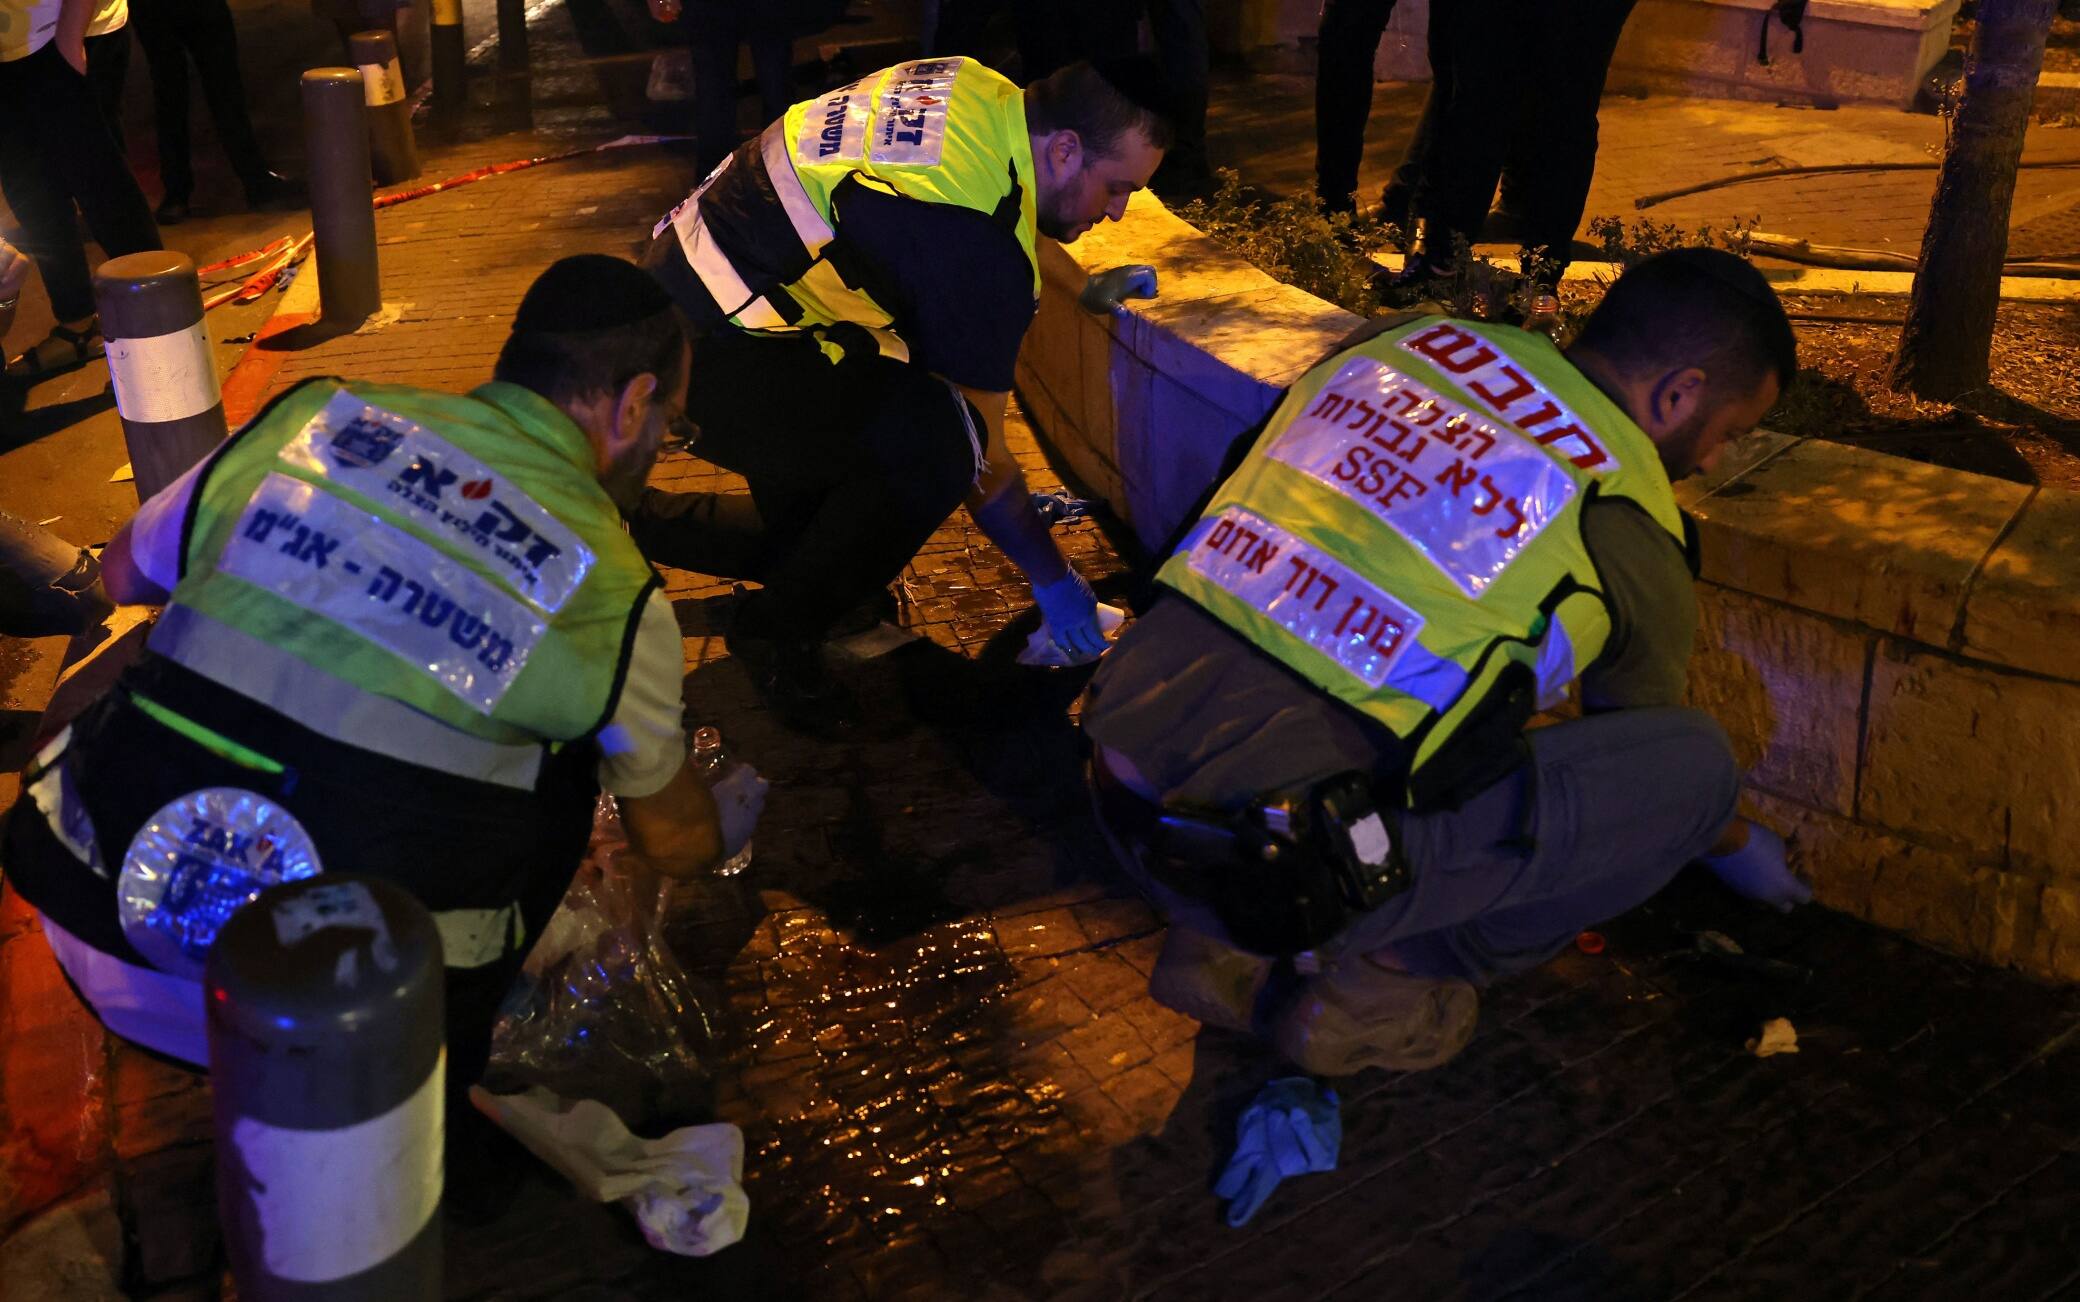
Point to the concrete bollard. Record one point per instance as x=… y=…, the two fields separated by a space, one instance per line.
x=392 y=152
x=343 y=213
x=326 y=1053
x=450 y=59
x=160 y=361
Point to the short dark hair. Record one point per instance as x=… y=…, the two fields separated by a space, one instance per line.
x=1694 y=307
x=1101 y=101
x=588 y=325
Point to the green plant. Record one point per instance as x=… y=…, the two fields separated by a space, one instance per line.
x=1292 y=240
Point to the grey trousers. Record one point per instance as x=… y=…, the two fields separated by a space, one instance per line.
x=1603 y=814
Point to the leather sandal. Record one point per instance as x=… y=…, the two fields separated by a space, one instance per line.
x=63 y=349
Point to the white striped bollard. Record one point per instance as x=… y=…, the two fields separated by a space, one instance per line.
x=393 y=154
x=327 y=1063
x=160 y=362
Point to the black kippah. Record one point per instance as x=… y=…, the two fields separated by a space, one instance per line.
x=1142 y=81
x=588 y=292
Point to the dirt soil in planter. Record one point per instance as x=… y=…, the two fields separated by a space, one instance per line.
x=2024 y=428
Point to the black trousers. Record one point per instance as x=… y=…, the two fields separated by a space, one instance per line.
x=852 y=464
x=172 y=32
x=108 y=66
x=1521 y=81
x=452 y=842
x=56 y=150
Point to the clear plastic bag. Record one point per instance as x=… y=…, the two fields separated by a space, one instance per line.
x=603 y=1009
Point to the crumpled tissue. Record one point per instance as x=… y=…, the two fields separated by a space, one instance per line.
x=1041 y=652
x=1290 y=1128
x=685 y=1189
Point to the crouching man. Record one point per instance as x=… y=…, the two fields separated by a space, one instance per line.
x=405 y=635
x=1315 y=741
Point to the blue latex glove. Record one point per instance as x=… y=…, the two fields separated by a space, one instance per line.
x=1071 y=609
x=1290 y=1128
x=1758 y=872
x=1103 y=291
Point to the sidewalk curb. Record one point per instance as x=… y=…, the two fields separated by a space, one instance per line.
x=1814 y=280
x=245 y=388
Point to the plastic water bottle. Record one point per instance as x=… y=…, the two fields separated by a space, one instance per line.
x=713 y=761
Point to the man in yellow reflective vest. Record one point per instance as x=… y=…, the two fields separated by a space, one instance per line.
x=859 y=279
x=404 y=635
x=1314 y=743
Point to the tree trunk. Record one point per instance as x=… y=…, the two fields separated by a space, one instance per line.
x=1944 y=348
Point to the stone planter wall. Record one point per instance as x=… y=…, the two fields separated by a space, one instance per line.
x=1894 y=648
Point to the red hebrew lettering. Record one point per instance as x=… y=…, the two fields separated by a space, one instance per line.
x=1266 y=554
x=1494 y=497
x=1589 y=455
x=1520 y=388
x=1516 y=525
x=1452 y=349
x=1407 y=444
x=1458 y=476
x=1333 y=406
x=1547 y=410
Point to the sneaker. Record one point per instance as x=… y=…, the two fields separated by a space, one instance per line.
x=1207 y=981
x=1420 y=280
x=1359 y=1014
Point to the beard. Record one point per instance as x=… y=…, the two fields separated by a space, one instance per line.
x=1679 y=450
x=1055 y=222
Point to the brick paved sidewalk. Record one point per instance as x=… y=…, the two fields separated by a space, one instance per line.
x=936 y=1036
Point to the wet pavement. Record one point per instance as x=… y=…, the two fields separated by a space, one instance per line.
x=932 y=1022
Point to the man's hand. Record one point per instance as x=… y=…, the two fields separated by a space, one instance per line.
x=1757 y=871
x=73 y=48
x=14 y=271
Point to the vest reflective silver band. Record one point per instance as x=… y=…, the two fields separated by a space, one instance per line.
x=712 y=265
x=809 y=225
x=1363 y=630
x=335 y=707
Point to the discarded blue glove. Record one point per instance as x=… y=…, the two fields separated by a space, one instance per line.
x=1057 y=507
x=1071 y=609
x=1757 y=871
x=1290 y=1128
x=1103 y=291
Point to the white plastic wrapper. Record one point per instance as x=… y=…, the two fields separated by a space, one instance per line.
x=1041 y=652
x=685 y=1188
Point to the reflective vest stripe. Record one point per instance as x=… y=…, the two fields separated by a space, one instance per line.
x=334 y=707
x=809 y=225
x=743 y=308
x=1323 y=603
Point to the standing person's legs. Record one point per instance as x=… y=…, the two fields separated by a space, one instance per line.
x=772 y=65
x=712 y=37
x=1561 y=129
x=79 y=151
x=161 y=29
x=212 y=37
x=1486 y=46
x=50 y=232
x=1345 y=44
x=1179 y=28
x=108 y=63
x=1604 y=813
